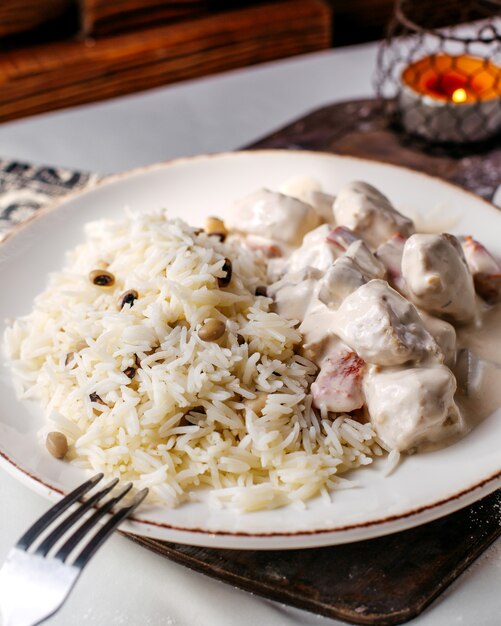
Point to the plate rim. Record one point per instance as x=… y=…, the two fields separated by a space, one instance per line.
x=108 y=179
x=461 y=498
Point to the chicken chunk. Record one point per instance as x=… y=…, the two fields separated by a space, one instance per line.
x=485 y=269
x=437 y=277
x=366 y=211
x=390 y=254
x=444 y=334
x=342 y=237
x=339 y=384
x=269 y=248
x=414 y=406
x=322 y=203
x=294 y=293
x=349 y=272
x=367 y=263
x=384 y=328
x=274 y=216
x=343 y=278
x=309 y=190
x=315 y=251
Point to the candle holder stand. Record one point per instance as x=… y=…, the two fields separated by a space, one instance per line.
x=439 y=70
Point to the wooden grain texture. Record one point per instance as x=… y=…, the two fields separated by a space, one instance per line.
x=17 y=16
x=362 y=128
x=381 y=582
x=356 y=21
x=104 y=17
x=68 y=73
x=392 y=579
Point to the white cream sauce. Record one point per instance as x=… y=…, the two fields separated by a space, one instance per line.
x=273 y=215
x=370 y=214
x=372 y=345
x=423 y=399
x=437 y=277
x=480 y=394
x=383 y=327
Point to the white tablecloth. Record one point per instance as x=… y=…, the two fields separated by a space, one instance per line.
x=125 y=584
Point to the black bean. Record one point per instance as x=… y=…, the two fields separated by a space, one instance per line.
x=94 y=397
x=197 y=409
x=129 y=297
x=224 y=281
x=130 y=372
x=102 y=278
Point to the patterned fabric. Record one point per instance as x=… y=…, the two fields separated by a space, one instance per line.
x=25 y=188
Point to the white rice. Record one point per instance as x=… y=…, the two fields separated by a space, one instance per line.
x=182 y=424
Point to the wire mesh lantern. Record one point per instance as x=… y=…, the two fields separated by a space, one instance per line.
x=439 y=70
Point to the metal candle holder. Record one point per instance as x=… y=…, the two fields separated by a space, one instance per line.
x=439 y=70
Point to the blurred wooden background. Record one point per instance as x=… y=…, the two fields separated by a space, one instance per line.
x=59 y=53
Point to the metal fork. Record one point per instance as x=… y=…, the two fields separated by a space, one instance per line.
x=34 y=584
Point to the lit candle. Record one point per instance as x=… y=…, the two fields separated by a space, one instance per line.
x=451 y=98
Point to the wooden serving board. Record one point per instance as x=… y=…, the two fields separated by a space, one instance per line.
x=382 y=581
x=363 y=128
x=391 y=579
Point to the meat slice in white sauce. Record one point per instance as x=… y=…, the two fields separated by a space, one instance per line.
x=485 y=269
x=341 y=280
x=390 y=254
x=414 y=406
x=294 y=293
x=342 y=237
x=437 y=277
x=322 y=246
x=367 y=263
x=322 y=203
x=309 y=190
x=366 y=211
x=273 y=215
x=349 y=272
x=374 y=347
x=339 y=384
x=382 y=327
x=269 y=247
x=444 y=334
x=315 y=251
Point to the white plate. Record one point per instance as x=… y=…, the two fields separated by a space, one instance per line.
x=425 y=487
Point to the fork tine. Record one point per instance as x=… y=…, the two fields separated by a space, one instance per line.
x=40 y=525
x=101 y=536
x=66 y=549
x=68 y=522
